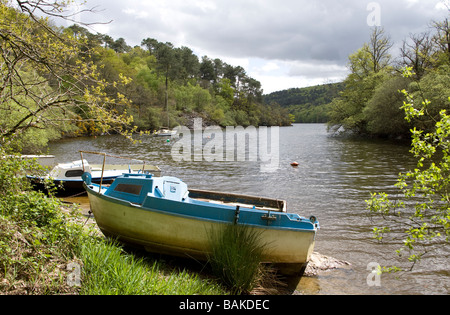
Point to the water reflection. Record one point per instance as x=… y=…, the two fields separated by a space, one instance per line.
x=333 y=179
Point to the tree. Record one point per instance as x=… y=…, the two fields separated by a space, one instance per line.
x=207 y=71
x=422 y=214
x=378 y=49
x=46 y=79
x=189 y=63
x=120 y=46
x=151 y=44
x=347 y=111
x=442 y=39
x=370 y=66
x=417 y=53
x=108 y=41
x=384 y=115
x=168 y=63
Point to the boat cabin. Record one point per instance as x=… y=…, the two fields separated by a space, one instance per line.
x=135 y=188
x=70 y=170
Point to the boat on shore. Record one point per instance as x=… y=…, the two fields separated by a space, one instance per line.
x=163 y=216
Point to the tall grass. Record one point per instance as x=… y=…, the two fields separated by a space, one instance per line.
x=235 y=257
x=109 y=270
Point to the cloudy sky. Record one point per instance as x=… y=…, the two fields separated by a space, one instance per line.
x=281 y=43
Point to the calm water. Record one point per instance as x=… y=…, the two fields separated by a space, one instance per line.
x=333 y=179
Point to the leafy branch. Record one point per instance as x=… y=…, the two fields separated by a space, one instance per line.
x=420 y=214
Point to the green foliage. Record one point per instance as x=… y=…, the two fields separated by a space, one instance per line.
x=315 y=95
x=347 y=111
x=422 y=212
x=235 y=257
x=36 y=237
x=383 y=111
x=170 y=79
x=49 y=84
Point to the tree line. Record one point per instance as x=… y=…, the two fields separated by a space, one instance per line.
x=371 y=103
x=66 y=81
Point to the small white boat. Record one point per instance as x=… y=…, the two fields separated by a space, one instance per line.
x=67 y=176
x=166 y=133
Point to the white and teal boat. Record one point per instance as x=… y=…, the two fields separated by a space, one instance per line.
x=163 y=216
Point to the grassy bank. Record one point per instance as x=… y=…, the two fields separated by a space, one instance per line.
x=44 y=250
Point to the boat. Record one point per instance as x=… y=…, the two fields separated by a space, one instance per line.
x=163 y=216
x=67 y=176
x=166 y=133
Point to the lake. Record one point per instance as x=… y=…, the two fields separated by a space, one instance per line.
x=334 y=178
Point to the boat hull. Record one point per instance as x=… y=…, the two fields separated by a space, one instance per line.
x=163 y=232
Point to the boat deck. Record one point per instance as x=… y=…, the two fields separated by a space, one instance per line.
x=260 y=203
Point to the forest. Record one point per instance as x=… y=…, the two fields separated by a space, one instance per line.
x=164 y=76
x=66 y=81
x=372 y=103
x=308 y=104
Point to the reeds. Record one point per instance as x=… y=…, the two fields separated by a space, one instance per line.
x=235 y=257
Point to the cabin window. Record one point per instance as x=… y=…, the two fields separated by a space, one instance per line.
x=128 y=188
x=74 y=173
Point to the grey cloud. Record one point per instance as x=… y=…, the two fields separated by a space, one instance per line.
x=286 y=30
x=322 y=33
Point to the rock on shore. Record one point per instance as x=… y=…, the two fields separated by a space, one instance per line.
x=320 y=263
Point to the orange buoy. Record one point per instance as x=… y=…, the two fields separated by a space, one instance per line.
x=294 y=164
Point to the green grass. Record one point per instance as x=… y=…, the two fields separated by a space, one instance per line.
x=109 y=270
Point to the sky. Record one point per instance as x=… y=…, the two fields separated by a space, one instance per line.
x=281 y=43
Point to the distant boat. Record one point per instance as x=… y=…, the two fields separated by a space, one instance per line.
x=166 y=133
x=163 y=216
x=67 y=176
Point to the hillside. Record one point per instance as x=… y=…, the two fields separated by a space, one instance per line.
x=316 y=95
x=309 y=104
